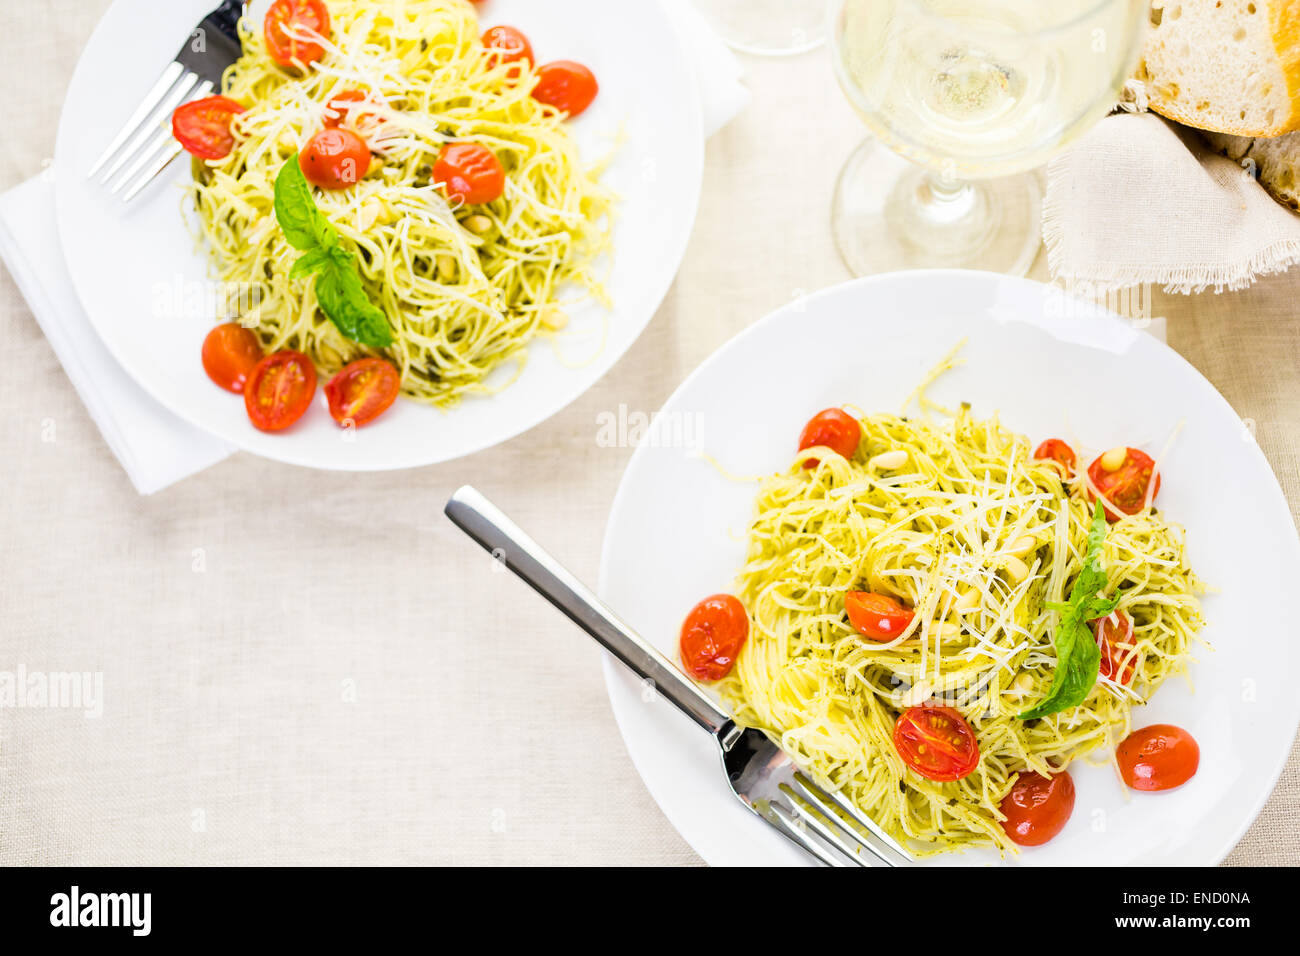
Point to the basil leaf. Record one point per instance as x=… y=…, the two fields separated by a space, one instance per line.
x=1078 y=658
x=339 y=290
x=343 y=298
x=295 y=209
x=309 y=263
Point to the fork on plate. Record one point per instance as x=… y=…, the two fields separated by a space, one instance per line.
x=819 y=820
x=145 y=145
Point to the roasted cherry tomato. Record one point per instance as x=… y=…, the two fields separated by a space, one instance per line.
x=349 y=106
x=469 y=173
x=936 y=742
x=230 y=353
x=568 y=86
x=1159 y=757
x=289 y=17
x=712 y=636
x=508 y=45
x=335 y=159
x=833 y=428
x=878 y=616
x=1057 y=451
x=1037 y=808
x=1122 y=476
x=203 y=127
x=1116 y=662
x=280 y=390
x=362 y=391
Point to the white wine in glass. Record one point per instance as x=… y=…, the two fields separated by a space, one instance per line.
x=967 y=97
x=767 y=27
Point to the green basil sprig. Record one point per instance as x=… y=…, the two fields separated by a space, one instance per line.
x=339 y=291
x=1078 y=658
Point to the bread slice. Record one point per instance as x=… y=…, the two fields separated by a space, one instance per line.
x=1275 y=161
x=1229 y=66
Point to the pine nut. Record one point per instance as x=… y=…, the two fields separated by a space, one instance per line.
x=1022 y=546
x=1016 y=569
x=554 y=318
x=889 y=460
x=968 y=601
x=948 y=629
x=477 y=224
x=1114 y=458
x=1022 y=685
x=446 y=266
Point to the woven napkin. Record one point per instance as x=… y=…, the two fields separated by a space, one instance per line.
x=1139 y=200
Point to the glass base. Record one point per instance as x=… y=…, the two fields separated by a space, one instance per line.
x=889 y=214
x=767 y=27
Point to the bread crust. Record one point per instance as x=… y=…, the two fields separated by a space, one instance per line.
x=1284 y=26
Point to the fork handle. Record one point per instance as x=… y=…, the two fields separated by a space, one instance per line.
x=486 y=524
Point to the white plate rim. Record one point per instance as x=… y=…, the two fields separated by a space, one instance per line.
x=615 y=673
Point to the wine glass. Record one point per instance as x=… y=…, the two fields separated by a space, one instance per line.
x=767 y=27
x=965 y=99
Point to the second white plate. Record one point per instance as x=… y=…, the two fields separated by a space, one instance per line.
x=1050 y=366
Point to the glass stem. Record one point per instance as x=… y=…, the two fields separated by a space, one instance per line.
x=945 y=199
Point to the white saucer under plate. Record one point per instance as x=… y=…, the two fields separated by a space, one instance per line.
x=1051 y=366
x=144 y=281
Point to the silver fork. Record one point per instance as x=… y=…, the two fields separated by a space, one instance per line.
x=145 y=145
x=822 y=822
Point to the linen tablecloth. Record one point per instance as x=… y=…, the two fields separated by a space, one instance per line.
x=314 y=668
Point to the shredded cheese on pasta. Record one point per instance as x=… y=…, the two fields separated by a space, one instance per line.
x=464 y=289
x=940 y=534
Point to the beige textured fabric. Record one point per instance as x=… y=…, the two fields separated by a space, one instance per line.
x=1139 y=200
x=303 y=667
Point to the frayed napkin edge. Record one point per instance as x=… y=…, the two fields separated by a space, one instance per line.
x=1185 y=280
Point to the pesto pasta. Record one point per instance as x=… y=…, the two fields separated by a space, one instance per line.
x=953 y=517
x=464 y=288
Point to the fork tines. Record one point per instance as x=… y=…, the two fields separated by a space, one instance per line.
x=835 y=823
x=145 y=145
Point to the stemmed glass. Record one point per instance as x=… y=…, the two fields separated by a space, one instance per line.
x=767 y=27
x=965 y=99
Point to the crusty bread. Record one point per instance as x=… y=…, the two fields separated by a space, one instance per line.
x=1229 y=66
x=1276 y=162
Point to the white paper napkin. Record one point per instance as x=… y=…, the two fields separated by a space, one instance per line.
x=154 y=446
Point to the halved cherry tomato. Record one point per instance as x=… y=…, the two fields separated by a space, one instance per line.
x=1057 y=451
x=203 y=127
x=1037 y=807
x=348 y=106
x=1124 y=483
x=288 y=17
x=712 y=636
x=362 y=391
x=832 y=428
x=1116 y=662
x=230 y=353
x=335 y=159
x=1159 y=757
x=507 y=44
x=568 y=86
x=936 y=742
x=470 y=173
x=280 y=390
x=878 y=616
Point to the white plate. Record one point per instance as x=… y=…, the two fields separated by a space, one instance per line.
x=142 y=279
x=1050 y=367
